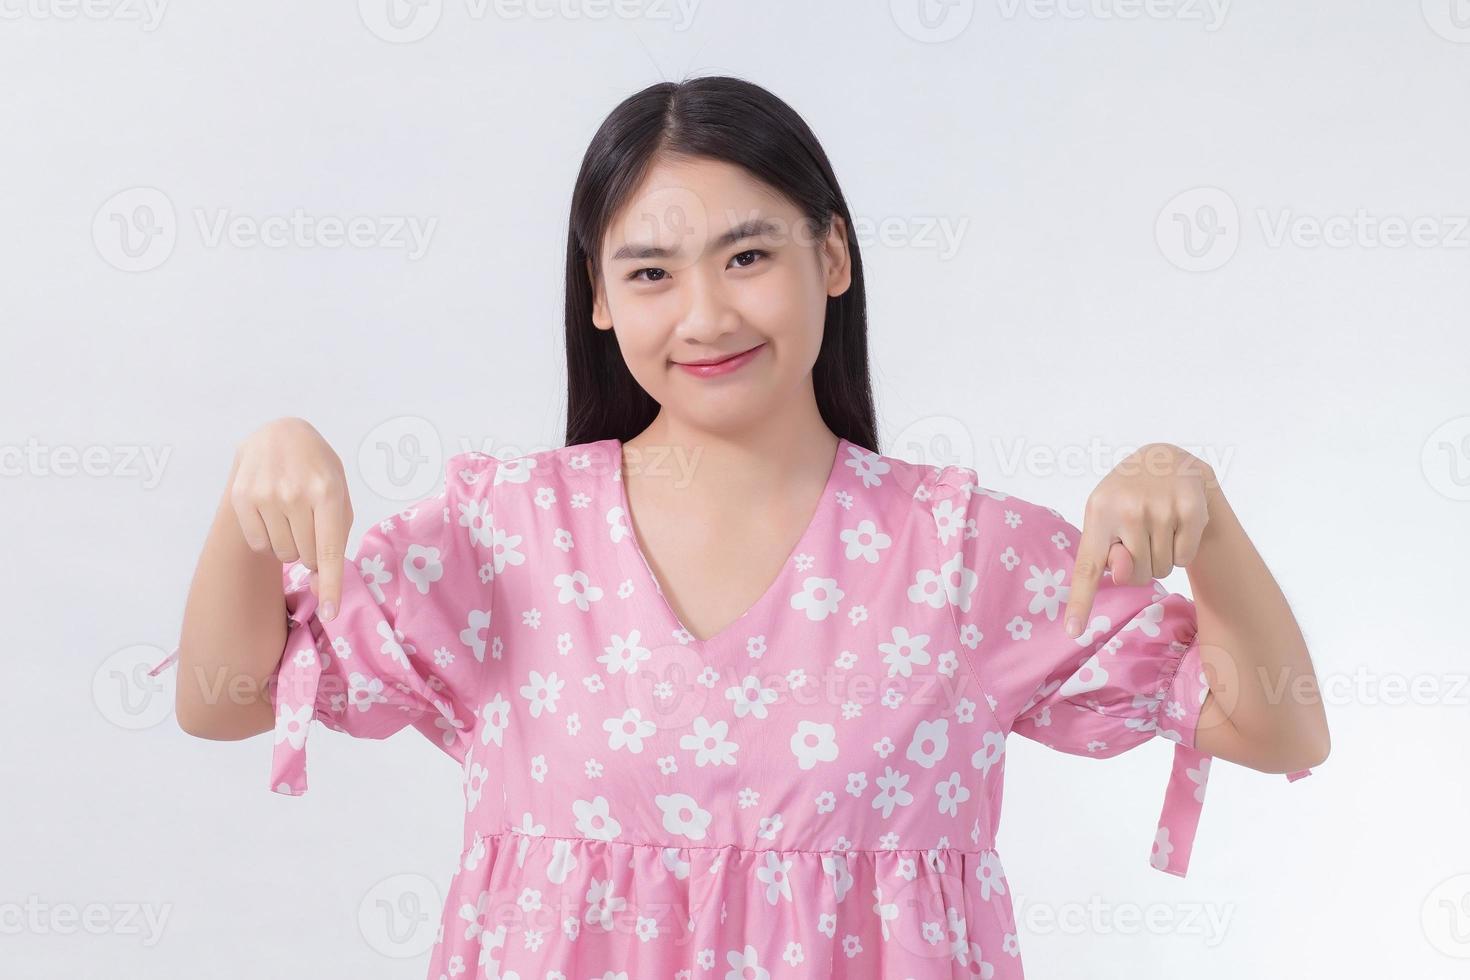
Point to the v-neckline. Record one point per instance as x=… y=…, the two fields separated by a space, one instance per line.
x=771 y=589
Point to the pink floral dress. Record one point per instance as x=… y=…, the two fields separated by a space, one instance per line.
x=812 y=792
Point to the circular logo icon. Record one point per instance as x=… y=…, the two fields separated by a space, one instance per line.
x=1446 y=459
x=399 y=916
x=1445 y=916
x=670 y=688
x=135 y=230
x=1450 y=19
x=1198 y=230
x=936 y=440
x=126 y=695
x=402 y=458
x=932 y=21
x=400 y=21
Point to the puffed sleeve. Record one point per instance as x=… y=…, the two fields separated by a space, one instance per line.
x=411 y=634
x=1135 y=672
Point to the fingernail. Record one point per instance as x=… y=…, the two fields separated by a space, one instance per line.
x=1074 y=626
x=329 y=610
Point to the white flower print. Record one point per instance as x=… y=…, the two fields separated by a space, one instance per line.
x=1091 y=676
x=422 y=567
x=813 y=742
x=394 y=645
x=836 y=867
x=769 y=827
x=602 y=903
x=624 y=655
x=891 y=792
x=773 y=876
x=503 y=550
x=1162 y=849
x=745 y=966
x=864 y=541
x=474 y=916
x=818 y=597
x=496 y=715
x=562 y=863
x=750 y=697
x=992 y=746
x=930 y=742
x=948 y=520
x=869 y=466
x=617 y=531
x=542 y=692
x=1048 y=591
x=629 y=731
x=683 y=815
x=364 y=692
x=709 y=744
x=474 y=783
x=292 y=723
x=576 y=588
x=473 y=635
x=905 y=652
x=948 y=663
x=990 y=875
x=951 y=795
x=887 y=911
x=594 y=819
x=1019 y=628
x=675 y=863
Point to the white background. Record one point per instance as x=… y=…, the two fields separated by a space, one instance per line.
x=1326 y=383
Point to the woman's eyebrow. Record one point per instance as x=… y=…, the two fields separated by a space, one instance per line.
x=754 y=228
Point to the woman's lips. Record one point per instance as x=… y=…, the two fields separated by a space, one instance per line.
x=722 y=367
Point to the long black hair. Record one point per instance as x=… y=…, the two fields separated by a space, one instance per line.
x=721 y=118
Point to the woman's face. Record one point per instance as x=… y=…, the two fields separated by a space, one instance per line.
x=706 y=262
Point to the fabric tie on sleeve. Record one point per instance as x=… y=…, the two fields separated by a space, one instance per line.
x=1183 y=800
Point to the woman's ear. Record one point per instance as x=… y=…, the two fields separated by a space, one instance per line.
x=838 y=257
x=600 y=316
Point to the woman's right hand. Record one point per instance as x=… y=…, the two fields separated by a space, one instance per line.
x=289 y=493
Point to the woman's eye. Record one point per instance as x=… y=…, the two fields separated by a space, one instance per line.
x=755 y=252
x=658 y=275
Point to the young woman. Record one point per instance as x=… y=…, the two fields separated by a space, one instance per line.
x=729 y=687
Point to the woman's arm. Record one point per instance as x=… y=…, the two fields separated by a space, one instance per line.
x=285 y=500
x=1264 y=709
x=232 y=636
x=1163 y=507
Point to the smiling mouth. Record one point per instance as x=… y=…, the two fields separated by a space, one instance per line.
x=718 y=360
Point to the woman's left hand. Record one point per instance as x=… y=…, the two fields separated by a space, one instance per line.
x=1145 y=517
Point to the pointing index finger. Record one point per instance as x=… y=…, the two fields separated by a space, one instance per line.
x=1092 y=556
x=332 y=523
